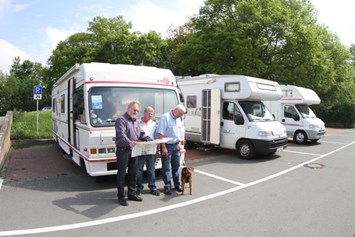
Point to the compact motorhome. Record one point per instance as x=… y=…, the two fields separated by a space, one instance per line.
x=293 y=111
x=227 y=111
x=89 y=97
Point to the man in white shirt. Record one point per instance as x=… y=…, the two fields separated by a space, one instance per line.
x=148 y=126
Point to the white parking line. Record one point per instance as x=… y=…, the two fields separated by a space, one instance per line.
x=303 y=153
x=218 y=177
x=161 y=209
x=342 y=135
x=338 y=143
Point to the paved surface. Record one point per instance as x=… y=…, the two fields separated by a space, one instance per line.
x=268 y=196
x=42 y=161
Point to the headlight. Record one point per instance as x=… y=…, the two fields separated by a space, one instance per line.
x=313 y=126
x=265 y=133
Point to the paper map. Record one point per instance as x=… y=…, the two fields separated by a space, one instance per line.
x=147 y=148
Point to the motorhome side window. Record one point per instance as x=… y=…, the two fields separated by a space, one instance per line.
x=107 y=103
x=229 y=110
x=191 y=101
x=62 y=104
x=289 y=111
x=54 y=105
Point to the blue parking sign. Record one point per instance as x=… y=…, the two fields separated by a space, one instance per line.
x=37 y=90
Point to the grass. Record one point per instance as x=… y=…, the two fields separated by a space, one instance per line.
x=24 y=125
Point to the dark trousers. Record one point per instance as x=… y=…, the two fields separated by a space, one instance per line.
x=124 y=161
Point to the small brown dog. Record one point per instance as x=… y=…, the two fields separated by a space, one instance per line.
x=186 y=177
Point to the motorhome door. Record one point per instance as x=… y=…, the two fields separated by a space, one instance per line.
x=210 y=119
x=291 y=119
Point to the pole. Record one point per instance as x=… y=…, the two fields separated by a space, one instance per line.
x=37 y=117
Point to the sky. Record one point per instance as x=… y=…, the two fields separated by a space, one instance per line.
x=31 y=29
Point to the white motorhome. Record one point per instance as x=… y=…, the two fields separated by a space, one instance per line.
x=89 y=97
x=293 y=111
x=226 y=111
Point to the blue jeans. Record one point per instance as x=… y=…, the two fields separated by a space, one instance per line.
x=172 y=160
x=149 y=161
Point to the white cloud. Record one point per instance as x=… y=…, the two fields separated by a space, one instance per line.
x=56 y=35
x=146 y=16
x=8 y=53
x=6 y=6
x=338 y=16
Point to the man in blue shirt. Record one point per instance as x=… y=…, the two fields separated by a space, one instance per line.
x=170 y=126
x=127 y=135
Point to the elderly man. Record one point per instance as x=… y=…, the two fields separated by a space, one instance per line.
x=127 y=135
x=170 y=125
x=148 y=126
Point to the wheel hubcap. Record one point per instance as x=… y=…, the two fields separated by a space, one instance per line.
x=244 y=150
x=300 y=137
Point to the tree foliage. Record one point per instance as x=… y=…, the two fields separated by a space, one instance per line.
x=278 y=40
x=16 y=89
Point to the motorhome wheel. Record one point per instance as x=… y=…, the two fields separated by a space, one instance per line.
x=300 y=137
x=246 y=150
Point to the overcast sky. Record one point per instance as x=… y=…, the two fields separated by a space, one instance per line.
x=31 y=29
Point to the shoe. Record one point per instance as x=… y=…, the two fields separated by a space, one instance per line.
x=155 y=192
x=135 y=198
x=139 y=193
x=178 y=189
x=167 y=192
x=122 y=202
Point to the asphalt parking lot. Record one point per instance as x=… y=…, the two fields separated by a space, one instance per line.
x=301 y=191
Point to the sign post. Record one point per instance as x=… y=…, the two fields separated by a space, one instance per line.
x=37 y=95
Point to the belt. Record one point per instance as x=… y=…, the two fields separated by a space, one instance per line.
x=172 y=144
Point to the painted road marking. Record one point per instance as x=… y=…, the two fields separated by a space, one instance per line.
x=302 y=153
x=162 y=209
x=219 y=178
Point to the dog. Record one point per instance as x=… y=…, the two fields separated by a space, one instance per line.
x=186 y=177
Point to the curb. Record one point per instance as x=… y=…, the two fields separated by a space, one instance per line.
x=33 y=142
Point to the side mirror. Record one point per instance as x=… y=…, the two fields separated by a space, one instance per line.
x=296 y=117
x=238 y=119
x=76 y=99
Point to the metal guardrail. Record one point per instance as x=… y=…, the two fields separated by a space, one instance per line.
x=5 y=141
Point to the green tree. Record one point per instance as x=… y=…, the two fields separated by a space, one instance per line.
x=273 y=39
x=19 y=85
x=78 y=48
x=108 y=40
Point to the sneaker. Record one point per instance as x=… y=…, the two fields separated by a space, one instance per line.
x=178 y=189
x=167 y=192
x=122 y=202
x=135 y=198
x=155 y=192
x=139 y=192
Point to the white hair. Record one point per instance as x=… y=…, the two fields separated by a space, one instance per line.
x=181 y=108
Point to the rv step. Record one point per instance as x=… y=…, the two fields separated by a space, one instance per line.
x=204 y=147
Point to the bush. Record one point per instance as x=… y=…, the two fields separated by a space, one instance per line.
x=24 y=125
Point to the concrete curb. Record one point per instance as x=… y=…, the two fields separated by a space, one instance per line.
x=5 y=141
x=33 y=142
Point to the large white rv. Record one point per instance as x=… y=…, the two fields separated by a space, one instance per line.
x=226 y=111
x=293 y=111
x=89 y=97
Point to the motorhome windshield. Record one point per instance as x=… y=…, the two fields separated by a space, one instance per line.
x=305 y=111
x=107 y=103
x=256 y=111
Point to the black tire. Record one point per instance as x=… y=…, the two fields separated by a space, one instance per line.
x=246 y=150
x=300 y=137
